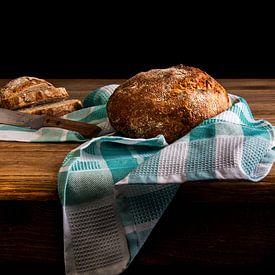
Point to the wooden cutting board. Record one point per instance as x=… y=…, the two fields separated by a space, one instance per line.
x=209 y=225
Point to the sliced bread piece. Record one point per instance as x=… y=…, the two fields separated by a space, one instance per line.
x=56 y=109
x=29 y=91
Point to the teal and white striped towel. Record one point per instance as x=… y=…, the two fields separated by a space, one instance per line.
x=95 y=114
x=115 y=189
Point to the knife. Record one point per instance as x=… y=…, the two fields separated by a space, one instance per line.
x=37 y=121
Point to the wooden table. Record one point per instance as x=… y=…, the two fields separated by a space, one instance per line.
x=209 y=226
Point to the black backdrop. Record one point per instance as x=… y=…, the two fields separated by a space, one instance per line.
x=230 y=43
x=98 y=62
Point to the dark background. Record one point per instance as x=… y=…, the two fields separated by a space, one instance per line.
x=90 y=42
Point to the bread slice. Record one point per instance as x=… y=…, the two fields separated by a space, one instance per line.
x=29 y=91
x=56 y=109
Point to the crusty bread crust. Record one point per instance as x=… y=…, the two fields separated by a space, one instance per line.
x=165 y=101
x=56 y=109
x=25 y=91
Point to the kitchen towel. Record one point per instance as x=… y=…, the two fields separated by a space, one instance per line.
x=90 y=114
x=115 y=189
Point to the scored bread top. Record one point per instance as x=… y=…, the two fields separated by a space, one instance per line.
x=165 y=101
x=25 y=91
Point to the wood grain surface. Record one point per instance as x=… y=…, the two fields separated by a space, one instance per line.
x=210 y=226
x=29 y=171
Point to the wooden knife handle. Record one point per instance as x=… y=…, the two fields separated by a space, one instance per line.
x=85 y=129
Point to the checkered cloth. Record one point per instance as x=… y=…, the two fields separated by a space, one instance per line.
x=95 y=114
x=115 y=189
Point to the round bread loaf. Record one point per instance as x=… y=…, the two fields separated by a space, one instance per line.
x=165 y=101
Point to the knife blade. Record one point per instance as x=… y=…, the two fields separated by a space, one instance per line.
x=38 y=121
